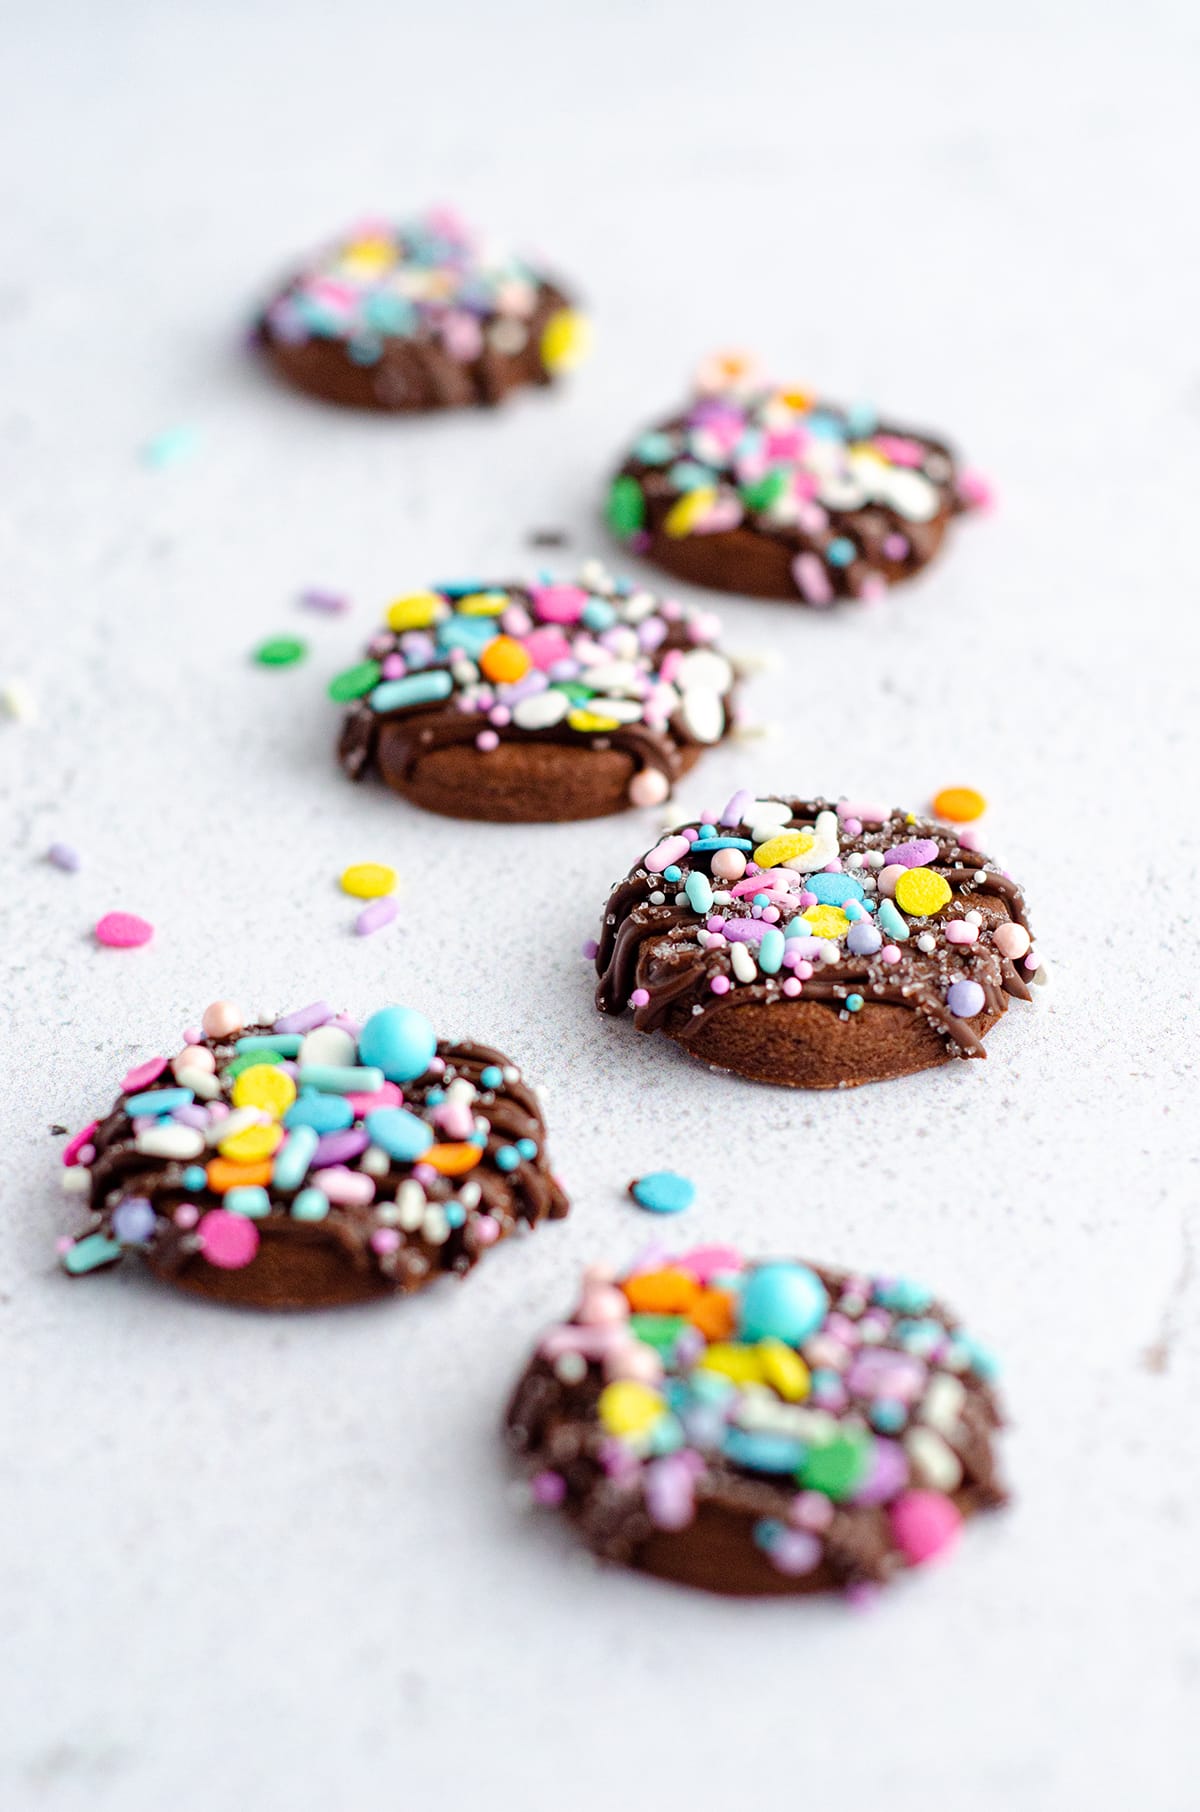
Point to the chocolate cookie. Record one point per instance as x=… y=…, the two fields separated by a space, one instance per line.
x=759 y=1427
x=814 y=945
x=774 y=493
x=539 y=703
x=312 y=1162
x=423 y=315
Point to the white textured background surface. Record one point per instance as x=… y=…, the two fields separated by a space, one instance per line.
x=270 y=1564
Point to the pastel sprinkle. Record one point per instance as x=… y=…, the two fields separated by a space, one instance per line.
x=280 y=651
x=375 y=916
x=64 y=856
x=123 y=930
x=959 y=804
x=368 y=880
x=663 y=1192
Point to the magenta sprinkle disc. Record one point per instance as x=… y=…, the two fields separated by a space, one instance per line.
x=123 y=930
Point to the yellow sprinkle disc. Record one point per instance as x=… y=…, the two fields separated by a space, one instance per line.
x=566 y=340
x=783 y=1369
x=419 y=611
x=252 y=1144
x=590 y=722
x=783 y=848
x=368 y=880
x=629 y=1408
x=482 y=604
x=266 y=1086
x=921 y=892
x=960 y=804
x=692 y=508
x=731 y=1360
x=505 y=660
x=826 y=921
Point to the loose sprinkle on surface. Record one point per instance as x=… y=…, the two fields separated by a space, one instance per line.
x=123 y=930
x=663 y=1192
x=280 y=651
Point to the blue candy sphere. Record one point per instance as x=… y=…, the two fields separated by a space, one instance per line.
x=782 y=1302
x=399 y=1042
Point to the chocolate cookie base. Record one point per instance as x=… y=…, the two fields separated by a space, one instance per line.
x=519 y=782
x=294 y=1268
x=758 y=564
x=806 y=1044
x=411 y=376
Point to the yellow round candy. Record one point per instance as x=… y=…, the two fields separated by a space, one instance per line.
x=783 y=848
x=252 y=1144
x=566 y=340
x=921 y=892
x=591 y=722
x=826 y=921
x=369 y=257
x=629 y=1408
x=692 y=508
x=419 y=611
x=732 y=1360
x=368 y=880
x=783 y=1369
x=266 y=1086
x=960 y=804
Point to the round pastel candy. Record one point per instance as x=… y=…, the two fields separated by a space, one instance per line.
x=402 y=1135
x=834 y=890
x=782 y=1302
x=222 y=1019
x=965 y=999
x=863 y=938
x=663 y=1192
x=1011 y=940
x=134 y=1220
x=229 y=1241
x=924 y=1524
x=399 y=1041
x=921 y=891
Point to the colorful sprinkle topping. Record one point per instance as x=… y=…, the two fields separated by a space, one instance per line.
x=428 y=280
x=771 y=899
x=596 y=661
x=852 y=501
x=418 y=1153
x=842 y=1423
x=280 y=651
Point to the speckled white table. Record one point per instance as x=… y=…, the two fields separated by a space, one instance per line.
x=278 y=1564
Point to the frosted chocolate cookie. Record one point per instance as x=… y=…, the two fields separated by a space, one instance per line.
x=313 y=1161
x=421 y=315
x=775 y=493
x=541 y=702
x=758 y=1428
x=815 y=945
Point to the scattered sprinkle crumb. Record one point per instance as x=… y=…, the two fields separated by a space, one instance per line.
x=171 y=447
x=62 y=855
x=123 y=930
x=959 y=804
x=663 y=1192
x=330 y=603
x=17 y=702
x=549 y=537
x=374 y=917
x=280 y=651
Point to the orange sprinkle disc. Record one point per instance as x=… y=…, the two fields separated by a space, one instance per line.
x=713 y=1313
x=959 y=804
x=224 y=1174
x=661 y=1292
x=504 y=660
x=452 y=1160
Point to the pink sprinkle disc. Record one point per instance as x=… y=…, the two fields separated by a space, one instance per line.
x=186 y=1215
x=228 y=1241
x=385 y=1239
x=142 y=1075
x=487 y=1229
x=123 y=930
x=74 y=1148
